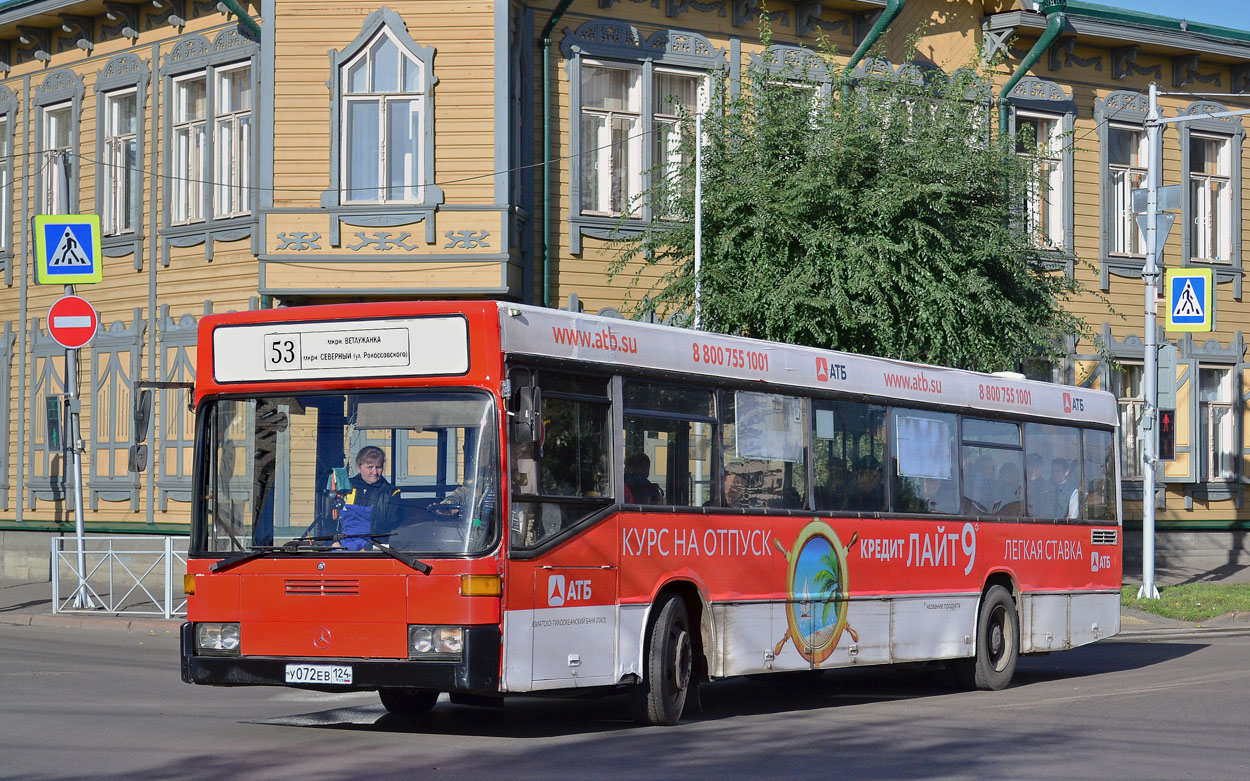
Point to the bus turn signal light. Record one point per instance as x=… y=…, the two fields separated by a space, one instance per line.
x=481 y=586
x=188 y=584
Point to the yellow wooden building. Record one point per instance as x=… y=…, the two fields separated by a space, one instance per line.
x=258 y=153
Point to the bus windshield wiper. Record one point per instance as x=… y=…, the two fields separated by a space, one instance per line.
x=257 y=552
x=292 y=547
x=411 y=561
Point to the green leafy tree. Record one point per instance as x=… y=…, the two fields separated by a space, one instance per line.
x=881 y=218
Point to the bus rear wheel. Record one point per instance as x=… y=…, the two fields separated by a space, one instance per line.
x=408 y=702
x=661 y=697
x=997 y=644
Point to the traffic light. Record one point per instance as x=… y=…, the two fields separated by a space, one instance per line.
x=1167 y=435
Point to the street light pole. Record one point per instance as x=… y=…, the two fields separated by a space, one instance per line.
x=698 y=220
x=1150 y=275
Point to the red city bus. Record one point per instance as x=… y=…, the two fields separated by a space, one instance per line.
x=481 y=498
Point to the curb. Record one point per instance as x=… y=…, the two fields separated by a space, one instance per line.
x=153 y=627
x=1179 y=633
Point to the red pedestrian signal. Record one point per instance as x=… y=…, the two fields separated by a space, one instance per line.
x=1167 y=435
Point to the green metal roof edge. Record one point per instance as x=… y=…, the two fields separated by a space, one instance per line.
x=1125 y=16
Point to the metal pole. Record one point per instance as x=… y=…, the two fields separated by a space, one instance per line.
x=698 y=220
x=82 y=599
x=1150 y=274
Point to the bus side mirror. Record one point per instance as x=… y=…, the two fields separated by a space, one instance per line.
x=527 y=424
x=138 y=457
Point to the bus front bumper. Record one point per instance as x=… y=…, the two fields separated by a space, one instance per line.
x=477 y=671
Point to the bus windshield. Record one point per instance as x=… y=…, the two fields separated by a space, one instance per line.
x=417 y=471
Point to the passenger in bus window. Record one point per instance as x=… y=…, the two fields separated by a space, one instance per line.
x=937 y=495
x=980 y=484
x=868 y=485
x=369 y=505
x=638 y=486
x=1067 y=490
x=731 y=494
x=1039 y=490
x=1009 y=499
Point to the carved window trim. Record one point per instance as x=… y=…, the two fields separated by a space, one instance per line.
x=616 y=43
x=1047 y=99
x=194 y=54
x=62 y=87
x=798 y=65
x=383 y=21
x=1233 y=132
x=125 y=72
x=1123 y=108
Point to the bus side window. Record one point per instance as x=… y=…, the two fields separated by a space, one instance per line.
x=668 y=445
x=763 y=437
x=566 y=475
x=1099 y=493
x=848 y=443
x=926 y=473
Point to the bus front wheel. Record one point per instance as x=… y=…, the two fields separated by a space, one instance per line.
x=669 y=661
x=997 y=644
x=407 y=702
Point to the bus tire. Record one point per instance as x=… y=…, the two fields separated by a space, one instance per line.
x=997 y=644
x=408 y=702
x=668 y=666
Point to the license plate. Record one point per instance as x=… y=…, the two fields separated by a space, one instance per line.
x=334 y=674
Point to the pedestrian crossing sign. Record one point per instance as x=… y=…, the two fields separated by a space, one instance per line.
x=67 y=249
x=1190 y=299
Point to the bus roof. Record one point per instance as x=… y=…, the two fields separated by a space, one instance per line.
x=614 y=342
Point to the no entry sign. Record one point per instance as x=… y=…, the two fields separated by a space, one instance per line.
x=72 y=322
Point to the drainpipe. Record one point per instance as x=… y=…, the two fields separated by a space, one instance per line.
x=892 y=9
x=546 y=44
x=1055 y=19
x=247 y=21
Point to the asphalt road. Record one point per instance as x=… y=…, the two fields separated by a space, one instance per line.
x=102 y=703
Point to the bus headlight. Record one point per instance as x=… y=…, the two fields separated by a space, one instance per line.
x=435 y=642
x=217 y=639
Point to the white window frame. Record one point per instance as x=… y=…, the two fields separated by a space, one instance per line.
x=415 y=178
x=1044 y=212
x=54 y=159
x=116 y=218
x=6 y=183
x=1208 y=244
x=1126 y=238
x=188 y=159
x=602 y=151
x=1218 y=413
x=232 y=163
x=1130 y=411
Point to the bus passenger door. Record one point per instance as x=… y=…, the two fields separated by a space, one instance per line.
x=574 y=626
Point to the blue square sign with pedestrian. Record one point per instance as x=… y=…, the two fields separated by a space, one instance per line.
x=1190 y=299
x=67 y=249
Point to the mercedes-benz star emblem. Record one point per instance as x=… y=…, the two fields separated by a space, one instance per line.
x=321 y=565
x=321 y=638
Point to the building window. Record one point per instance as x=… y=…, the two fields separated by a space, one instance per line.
x=1216 y=424
x=611 y=129
x=120 y=162
x=1128 y=384
x=6 y=183
x=614 y=123
x=1043 y=209
x=55 y=159
x=232 y=150
x=189 y=171
x=383 y=124
x=1210 y=198
x=228 y=174
x=1126 y=164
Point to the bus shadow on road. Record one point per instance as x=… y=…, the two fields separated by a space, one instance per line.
x=543 y=717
